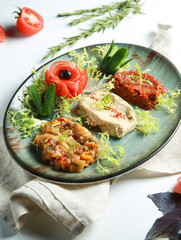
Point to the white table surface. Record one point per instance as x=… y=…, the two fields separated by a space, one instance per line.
x=130 y=213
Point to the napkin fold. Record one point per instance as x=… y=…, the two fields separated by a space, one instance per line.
x=75 y=206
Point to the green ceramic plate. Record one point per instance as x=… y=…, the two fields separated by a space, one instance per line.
x=138 y=148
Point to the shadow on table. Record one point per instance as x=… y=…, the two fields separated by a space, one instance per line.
x=13 y=32
x=40 y=226
x=5 y=230
x=44 y=227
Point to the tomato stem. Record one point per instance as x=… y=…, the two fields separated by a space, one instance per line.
x=18 y=12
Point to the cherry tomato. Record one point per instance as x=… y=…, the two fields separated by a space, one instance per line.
x=29 y=22
x=179 y=181
x=2 y=34
x=70 y=85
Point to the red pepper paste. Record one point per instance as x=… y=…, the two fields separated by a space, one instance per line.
x=142 y=93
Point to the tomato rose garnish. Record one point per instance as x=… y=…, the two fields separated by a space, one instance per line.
x=69 y=80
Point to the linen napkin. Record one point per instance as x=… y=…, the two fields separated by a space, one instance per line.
x=74 y=206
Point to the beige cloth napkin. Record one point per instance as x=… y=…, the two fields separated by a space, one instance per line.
x=73 y=206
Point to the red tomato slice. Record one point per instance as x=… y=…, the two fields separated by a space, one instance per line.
x=29 y=22
x=65 y=92
x=2 y=34
x=84 y=81
x=66 y=87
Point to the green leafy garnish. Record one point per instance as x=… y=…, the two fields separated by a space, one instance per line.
x=139 y=76
x=26 y=122
x=97 y=80
x=168 y=100
x=124 y=68
x=63 y=137
x=101 y=51
x=114 y=59
x=25 y=118
x=110 y=155
x=146 y=123
x=84 y=60
x=65 y=107
x=103 y=101
x=40 y=85
x=44 y=108
x=99 y=84
x=39 y=80
x=75 y=164
x=72 y=147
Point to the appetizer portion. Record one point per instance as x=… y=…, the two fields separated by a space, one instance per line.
x=138 y=88
x=67 y=145
x=109 y=112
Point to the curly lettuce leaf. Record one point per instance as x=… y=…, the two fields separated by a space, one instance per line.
x=101 y=51
x=109 y=155
x=103 y=101
x=139 y=77
x=65 y=107
x=168 y=100
x=84 y=60
x=146 y=123
x=97 y=81
x=25 y=121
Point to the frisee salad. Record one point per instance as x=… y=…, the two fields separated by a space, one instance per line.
x=27 y=119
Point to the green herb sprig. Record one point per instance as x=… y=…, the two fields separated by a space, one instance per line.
x=117 y=12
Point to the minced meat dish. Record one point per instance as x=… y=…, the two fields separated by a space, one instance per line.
x=142 y=92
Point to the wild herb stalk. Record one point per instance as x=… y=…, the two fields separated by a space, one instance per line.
x=117 y=12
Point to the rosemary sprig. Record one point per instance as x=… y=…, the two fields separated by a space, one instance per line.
x=117 y=12
x=100 y=10
x=87 y=14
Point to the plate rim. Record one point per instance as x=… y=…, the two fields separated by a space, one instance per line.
x=102 y=177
